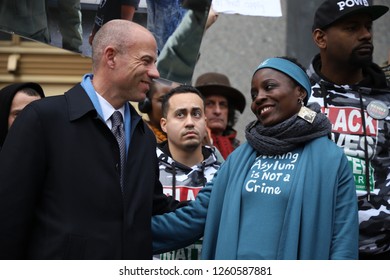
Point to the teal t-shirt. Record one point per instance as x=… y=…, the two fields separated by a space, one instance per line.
x=264 y=198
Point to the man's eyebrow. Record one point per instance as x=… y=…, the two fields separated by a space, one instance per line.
x=178 y=110
x=185 y=109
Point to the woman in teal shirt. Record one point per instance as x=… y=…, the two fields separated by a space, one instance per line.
x=287 y=193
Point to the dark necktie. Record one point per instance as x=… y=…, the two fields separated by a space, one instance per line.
x=119 y=133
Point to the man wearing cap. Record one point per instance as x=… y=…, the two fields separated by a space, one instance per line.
x=222 y=101
x=354 y=94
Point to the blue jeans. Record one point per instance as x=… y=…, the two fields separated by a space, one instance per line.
x=163 y=18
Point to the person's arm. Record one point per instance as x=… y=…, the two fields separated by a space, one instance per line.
x=182 y=227
x=346 y=224
x=127 y=12
x=128 y=8
x=163 y=203
x=178 y=58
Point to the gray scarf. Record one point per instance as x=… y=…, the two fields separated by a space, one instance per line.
x=287 y=135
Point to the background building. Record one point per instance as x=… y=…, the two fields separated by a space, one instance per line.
x=55 y=69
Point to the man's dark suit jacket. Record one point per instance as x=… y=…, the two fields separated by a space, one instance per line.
x=60 y=196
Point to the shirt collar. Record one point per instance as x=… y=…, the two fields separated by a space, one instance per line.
x=108 y=110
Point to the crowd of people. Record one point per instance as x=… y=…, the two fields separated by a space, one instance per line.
x=85 y=175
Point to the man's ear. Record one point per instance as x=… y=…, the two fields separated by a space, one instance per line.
x=319 y=37
x=109 y=55
x=163 y=124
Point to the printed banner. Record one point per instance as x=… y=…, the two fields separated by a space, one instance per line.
x=268 y=8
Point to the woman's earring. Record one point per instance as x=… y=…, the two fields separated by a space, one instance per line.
x=306 y=113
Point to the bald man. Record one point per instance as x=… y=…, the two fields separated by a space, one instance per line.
x=77 y=195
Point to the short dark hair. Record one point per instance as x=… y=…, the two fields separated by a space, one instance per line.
x=178 y=90
x=30 y=91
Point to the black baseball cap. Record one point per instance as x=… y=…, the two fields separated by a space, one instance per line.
x=331 y=11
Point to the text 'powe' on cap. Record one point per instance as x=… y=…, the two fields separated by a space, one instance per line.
x=331 y=11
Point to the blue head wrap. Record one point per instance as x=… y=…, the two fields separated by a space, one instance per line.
x=290 y=69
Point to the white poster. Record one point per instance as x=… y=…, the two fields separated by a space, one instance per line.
x=269 y=8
